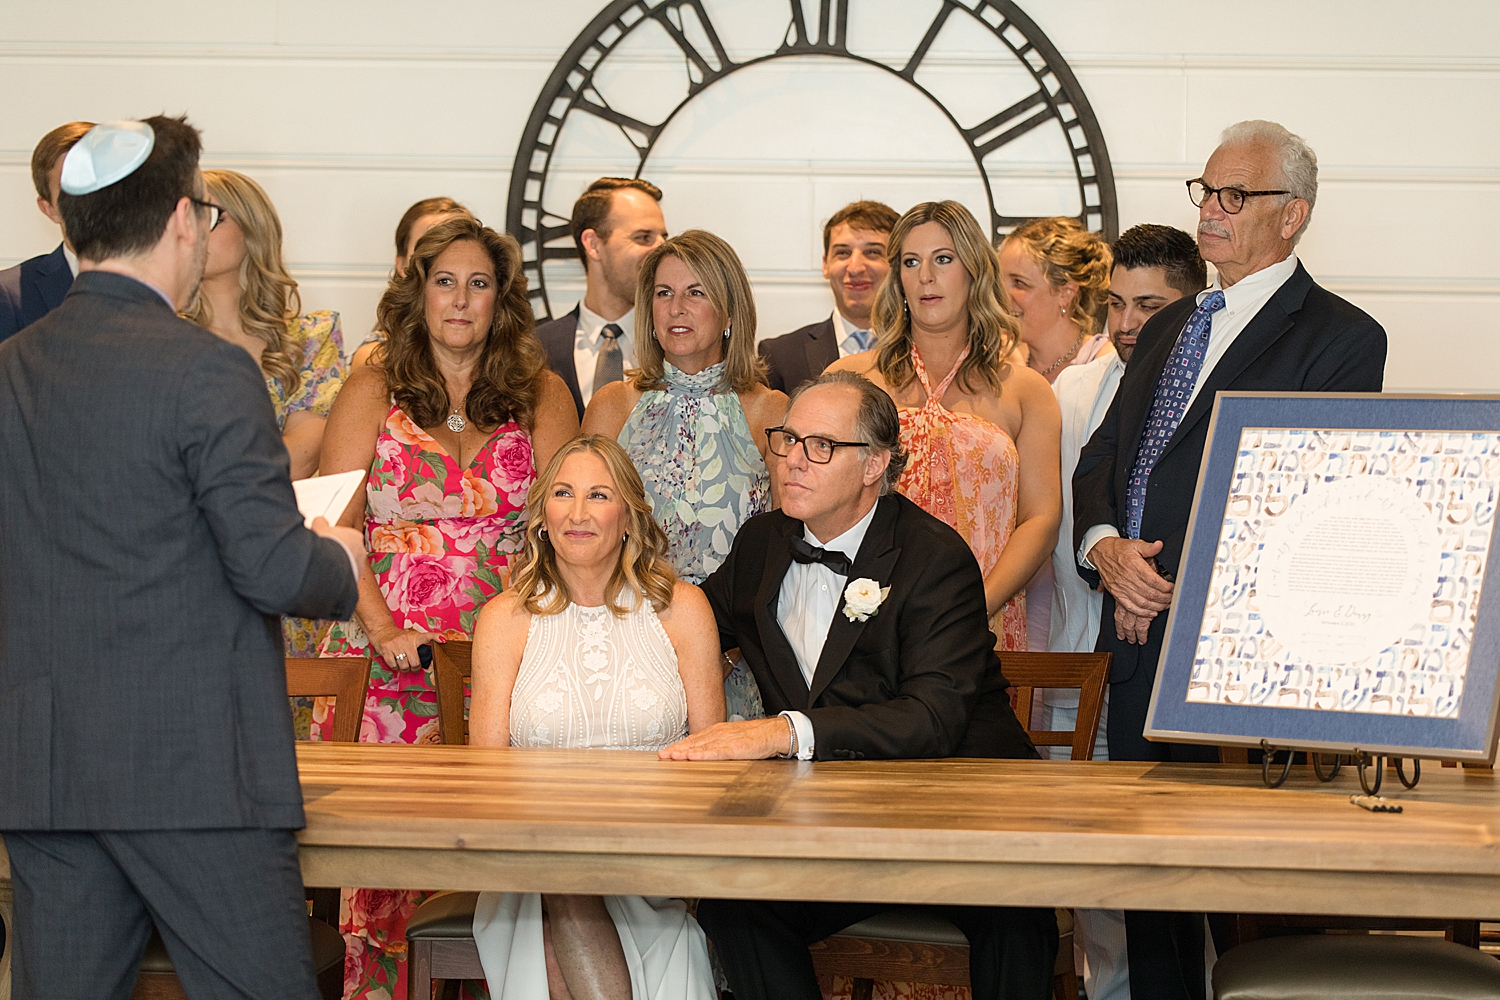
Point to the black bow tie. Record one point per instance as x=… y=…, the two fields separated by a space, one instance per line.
x=805 y=552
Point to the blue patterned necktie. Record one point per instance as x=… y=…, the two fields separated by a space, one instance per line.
x=1169 y=405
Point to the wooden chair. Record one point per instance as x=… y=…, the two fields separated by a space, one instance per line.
x=450 y=671
x=914 y=945
x=345 y=679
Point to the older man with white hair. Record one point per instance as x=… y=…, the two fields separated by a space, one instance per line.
x=1262 y=324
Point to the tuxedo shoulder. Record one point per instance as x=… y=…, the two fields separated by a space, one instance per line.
x=791 y=339
x=757 y=529
x=934 y=538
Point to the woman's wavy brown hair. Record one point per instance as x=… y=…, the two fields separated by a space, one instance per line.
x=1066 y=252
x=508 y=374
x=642 y=568
x=993 y=333
x=718 y=269
x=269 y=302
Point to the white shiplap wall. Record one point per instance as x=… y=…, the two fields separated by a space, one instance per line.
x=348 y=110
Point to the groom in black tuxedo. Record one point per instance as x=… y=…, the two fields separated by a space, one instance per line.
x=863 y=620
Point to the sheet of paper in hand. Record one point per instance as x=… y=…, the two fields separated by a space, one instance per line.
x=1334 y=590
x=327 y=496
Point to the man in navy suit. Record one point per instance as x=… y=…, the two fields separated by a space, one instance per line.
x=33 y=288
x=615 y=223
x=854 y=264
x=1262 y=325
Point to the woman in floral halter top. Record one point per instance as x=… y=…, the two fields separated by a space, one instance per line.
x=692 y=418
x=451 y=424
x=982 y=431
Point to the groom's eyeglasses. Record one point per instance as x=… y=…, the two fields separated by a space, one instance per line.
x=817 y=448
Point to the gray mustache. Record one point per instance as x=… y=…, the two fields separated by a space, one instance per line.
x=1210 y=228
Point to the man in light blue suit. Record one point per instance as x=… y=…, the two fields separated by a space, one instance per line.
x=35 y=287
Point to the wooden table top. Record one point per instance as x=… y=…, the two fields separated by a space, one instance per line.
x=951 y=830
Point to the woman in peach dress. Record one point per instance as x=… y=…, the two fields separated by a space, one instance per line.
x=981 y=428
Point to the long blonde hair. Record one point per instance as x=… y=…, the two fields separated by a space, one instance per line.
x=642 y=568
x=1065 y=252
x=268 y=294
x=993 y=333
x=718 y=269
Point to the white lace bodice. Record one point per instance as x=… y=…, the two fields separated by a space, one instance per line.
x=589 y=680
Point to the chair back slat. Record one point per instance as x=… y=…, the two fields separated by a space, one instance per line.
x=1086 y=672
x=450 y=671
x=344 y=678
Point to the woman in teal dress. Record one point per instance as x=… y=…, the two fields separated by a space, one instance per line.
x=693 y=416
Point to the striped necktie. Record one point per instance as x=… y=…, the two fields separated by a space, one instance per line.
x=1178 y=380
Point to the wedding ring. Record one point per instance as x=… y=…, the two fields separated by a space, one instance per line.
x=400 y=657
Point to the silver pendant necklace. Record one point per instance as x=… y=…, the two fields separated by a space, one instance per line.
x=456 y=422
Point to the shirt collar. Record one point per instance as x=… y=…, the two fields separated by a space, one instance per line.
x=71 y=258
x=591 y=324
x=1252 y=287
x=849 y=542
x=844 y=326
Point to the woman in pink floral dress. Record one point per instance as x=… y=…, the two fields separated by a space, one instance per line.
x=451 y=424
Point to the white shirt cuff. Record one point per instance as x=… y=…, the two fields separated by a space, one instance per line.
x=803 y=725
x=1091 y=538
x=353 y=560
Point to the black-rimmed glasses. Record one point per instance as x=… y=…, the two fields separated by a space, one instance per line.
x=817 y=448
x=1231 y=199
x=216 y=213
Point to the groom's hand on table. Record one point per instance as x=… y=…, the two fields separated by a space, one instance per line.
x=755 y=739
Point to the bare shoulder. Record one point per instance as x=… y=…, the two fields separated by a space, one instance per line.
x=609 y=408
x=1028 y=384
x=862 y=363
x=763 y=406
x=554 y=391
x=690 y=611
x=505 y=613
x=365 y=388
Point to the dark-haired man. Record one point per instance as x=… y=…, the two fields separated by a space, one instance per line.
x=1154 y=267
x=863 y=620
x=35 y=287
x=151 y=541
x=615 y=223
x=854 y=264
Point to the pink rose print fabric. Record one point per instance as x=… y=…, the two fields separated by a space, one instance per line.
x=441 y=539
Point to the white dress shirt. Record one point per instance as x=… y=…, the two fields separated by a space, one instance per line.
x=72 y=259
x=851 y=335
x=586 y=345
x=1242 y=301
x=805 y=608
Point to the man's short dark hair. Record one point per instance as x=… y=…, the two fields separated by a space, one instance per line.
x=877 y=422
x=129 y=216
x=591 y=210
x=1168 y=248
x=53 y=147
x=871 y=216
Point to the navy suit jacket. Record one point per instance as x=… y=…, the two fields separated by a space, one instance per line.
x=799 y=356
x=32 y=289
x=1305 y=339
x=558 y=337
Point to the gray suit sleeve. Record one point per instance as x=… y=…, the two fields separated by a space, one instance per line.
x=241 y=481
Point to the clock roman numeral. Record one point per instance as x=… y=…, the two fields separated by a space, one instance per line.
x=703 y=67
x=640 y=134
x=992 y=133
x=833 y=28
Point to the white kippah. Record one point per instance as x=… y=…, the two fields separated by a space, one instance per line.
x=107 y=153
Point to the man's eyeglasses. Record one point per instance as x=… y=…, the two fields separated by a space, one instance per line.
x=216 y=213
x=1231 y=200
x=817 y=448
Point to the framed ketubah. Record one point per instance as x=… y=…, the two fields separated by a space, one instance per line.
x=1338 y=589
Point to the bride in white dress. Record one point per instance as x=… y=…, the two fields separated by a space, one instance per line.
x=595 y=646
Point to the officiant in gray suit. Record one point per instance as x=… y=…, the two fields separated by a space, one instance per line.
x=150 y=538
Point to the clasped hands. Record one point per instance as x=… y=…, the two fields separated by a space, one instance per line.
x=755 y=739
x=1126 y=568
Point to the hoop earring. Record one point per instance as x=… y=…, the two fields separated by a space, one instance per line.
x=542 y=533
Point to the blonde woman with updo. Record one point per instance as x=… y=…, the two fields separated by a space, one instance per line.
x=597 y=646
x=981 y=428
x=248 y=298
x=1056 y=276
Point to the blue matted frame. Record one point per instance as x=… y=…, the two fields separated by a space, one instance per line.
x=1173 y=718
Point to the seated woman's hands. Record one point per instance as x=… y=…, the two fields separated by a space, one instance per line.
x=398 y=647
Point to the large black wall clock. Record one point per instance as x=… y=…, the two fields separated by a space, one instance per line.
x=812 y=29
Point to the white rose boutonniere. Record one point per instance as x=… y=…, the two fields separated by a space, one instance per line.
x=862 y=598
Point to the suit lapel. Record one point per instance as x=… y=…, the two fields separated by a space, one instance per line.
x=780 y=658
x=1267 y=327
x=876 y=558
x=821 y=348
x=53 y=278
